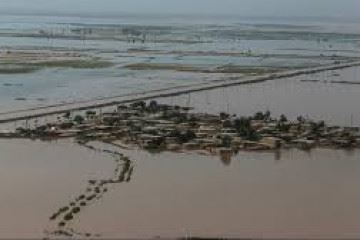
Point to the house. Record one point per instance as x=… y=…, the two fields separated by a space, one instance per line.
x=304 y=143
x=271 y=142
x=191 y=146
x=254 y=146
x=228 y=132
x=173 y=147
x=207 y=130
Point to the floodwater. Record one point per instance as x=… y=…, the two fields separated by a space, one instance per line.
x=173 y=41
x=36 y=178
x=286 y=194
x=320 y=97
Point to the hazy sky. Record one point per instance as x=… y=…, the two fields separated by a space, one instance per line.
x=320 y=8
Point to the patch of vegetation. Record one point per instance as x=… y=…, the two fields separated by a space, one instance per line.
x=78 y=119
x=190 y=68
x=163 y=66
x=68 y=217
x=93 y=63
x=17 y=69
x=244 y=128
x=245 y=69
x=23 y=68
x=183 y=136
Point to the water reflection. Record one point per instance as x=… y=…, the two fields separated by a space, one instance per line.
x=225 y=157
x=277 y=155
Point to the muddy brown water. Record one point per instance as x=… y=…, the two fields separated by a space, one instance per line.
x=319 y=96
x=288 y=194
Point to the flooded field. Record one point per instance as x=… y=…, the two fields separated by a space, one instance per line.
x=279 y=194
x=285 y=194
x=331 y=96
x=75 y=59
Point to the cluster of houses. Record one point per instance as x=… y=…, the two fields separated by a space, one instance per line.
x=160 y=127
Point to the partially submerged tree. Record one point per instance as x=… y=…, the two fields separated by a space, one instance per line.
x=67 y=115
x=153 y=106
x=79 y=119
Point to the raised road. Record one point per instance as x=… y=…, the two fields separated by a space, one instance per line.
x=25 y=114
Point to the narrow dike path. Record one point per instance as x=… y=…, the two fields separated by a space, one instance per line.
x=96 y=189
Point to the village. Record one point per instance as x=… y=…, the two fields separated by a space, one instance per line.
x=159 y=127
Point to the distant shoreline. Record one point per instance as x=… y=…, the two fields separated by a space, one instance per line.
x=161 y=15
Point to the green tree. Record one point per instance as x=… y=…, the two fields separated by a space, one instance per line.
x=79 y=119
x=67 y=115
x=226 y=141
x=259 y=116
x=283 y=118
x=224 y=116
x=267 y=115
